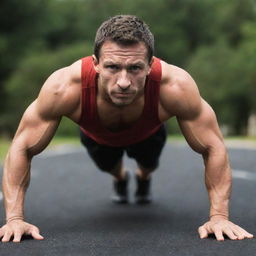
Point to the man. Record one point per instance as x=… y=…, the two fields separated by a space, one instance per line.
x=120 y=97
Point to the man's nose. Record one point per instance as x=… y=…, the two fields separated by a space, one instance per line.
x=123 y=80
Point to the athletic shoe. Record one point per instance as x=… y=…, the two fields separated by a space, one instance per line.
x=121 y=190
x=143 y=194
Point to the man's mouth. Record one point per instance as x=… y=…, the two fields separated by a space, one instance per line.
x=123 y=94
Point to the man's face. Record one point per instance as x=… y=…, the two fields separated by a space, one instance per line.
x=122 y=72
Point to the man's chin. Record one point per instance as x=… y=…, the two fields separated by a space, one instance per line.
x=121 y=103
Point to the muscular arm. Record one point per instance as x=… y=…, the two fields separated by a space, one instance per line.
x=203 y=135
x=35 y=131
x=198 y=123
x=33 y=135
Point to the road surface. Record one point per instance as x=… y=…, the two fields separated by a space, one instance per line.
x=68 y=199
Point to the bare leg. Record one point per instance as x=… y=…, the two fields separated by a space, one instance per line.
x=118 y=171
x=144 y=173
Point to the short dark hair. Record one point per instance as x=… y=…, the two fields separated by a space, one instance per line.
x=124 y=30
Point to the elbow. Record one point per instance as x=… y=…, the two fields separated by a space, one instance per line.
x=30 y=154
x=19 y=150
x=215 y=149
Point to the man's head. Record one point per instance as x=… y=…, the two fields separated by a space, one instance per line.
x=122 y=59
x=124 y=30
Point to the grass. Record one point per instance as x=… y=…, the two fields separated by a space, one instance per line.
x=64 y=140
x=5 y=144
x=245 y=138
x=176 y=137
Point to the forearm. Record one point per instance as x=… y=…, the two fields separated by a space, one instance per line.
x=16 y=179
x=218 y=181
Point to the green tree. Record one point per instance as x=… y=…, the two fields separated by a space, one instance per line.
x=226 y=78
x=22 y=25
x=215 y=39
x=26 y=82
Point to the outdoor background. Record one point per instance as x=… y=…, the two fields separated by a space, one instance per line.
x=214 y=40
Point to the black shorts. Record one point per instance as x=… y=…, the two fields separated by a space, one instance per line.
x=146 y=152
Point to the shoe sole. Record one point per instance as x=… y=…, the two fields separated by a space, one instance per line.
x=119 y=200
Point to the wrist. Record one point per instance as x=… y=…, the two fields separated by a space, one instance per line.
x=8 y=220
x=220 y=210
x=218 y=216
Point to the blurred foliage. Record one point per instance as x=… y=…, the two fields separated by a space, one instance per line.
x=25 y=83
x=215 y=40
x=227 y=78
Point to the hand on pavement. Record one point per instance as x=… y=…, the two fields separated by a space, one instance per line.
x=17 y=228
x=220 y=226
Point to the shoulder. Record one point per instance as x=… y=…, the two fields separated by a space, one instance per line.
x=179 y=94
x=60 y=93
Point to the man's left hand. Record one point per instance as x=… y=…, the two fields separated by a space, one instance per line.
x=220 y=227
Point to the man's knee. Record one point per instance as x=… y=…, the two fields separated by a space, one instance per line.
x=148 y=166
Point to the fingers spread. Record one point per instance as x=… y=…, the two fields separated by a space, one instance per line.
x=17 y=230
x=230 y=233
x=7 y=237
x=241 y=233
x=218 y=234
x=202 y=232
x=17 y=236
x=37 y=236
x=1 y=232
x=35 y=233
x=248 y=235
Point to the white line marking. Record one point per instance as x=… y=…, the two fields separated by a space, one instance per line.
x=1 y=196
x=245 y=175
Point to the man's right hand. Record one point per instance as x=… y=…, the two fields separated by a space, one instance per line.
x=17 y=228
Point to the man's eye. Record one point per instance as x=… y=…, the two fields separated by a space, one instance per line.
x=134 y=68
x=113 y=67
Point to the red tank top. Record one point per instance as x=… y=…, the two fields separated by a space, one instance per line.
x=147 y=124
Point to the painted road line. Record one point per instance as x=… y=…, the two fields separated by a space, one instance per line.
x=1 y=195
x=243 y=174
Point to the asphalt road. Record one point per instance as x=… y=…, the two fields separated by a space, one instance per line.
x=68 y=199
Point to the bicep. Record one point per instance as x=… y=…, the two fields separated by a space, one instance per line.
x=41 y=119
x=202 y=131
x=35 y=131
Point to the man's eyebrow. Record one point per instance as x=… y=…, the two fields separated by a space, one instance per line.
x=110 y=62
x=138 y=63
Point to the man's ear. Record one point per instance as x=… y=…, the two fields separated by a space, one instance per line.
x=95 y=63
x=150 y=64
